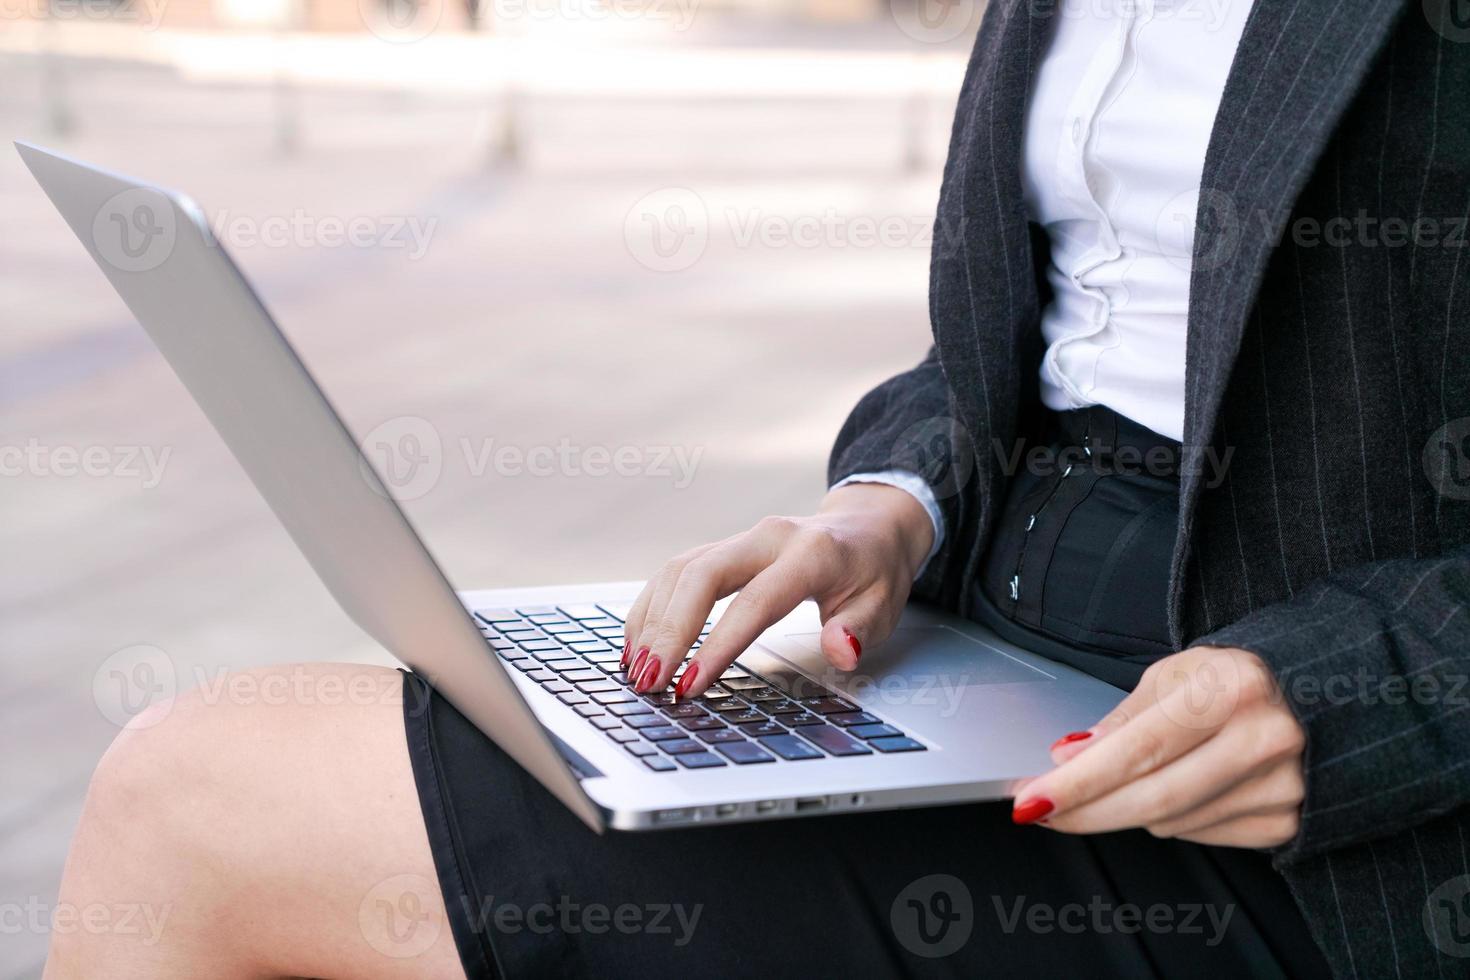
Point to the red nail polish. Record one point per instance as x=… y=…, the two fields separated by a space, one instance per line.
x=651 y=669
x=1032 y=810
x=627 y=646
x=854 y=642
x=635 y=668
x=686 y=681
x=1069 y=738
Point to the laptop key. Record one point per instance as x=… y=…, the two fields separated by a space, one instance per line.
x=641 y=748
x=602 y=623
x=679 y=746
x=556 y=687
x=782 y=707
x=763 y=728
x=661 y=699
x=659 y=733
x=497 y=615
x=746 y=683
x=535 y=610
x=834 y=741
x=728 y=705
x=742 y=717
x=613 y=697
x=541 y=619
x=897 y=743
x=500 y=644
x=717 y=735
x=744 y=753
x=790 y=747
x=630 y=708
x=658 y=763
x=763 y=694
x=581 y=611
x=587 y=710
x=826 y=705
x=796 y=721
x=622 y=734
x=873 y=731
x=684 y=710
x=583 y=674
x=846 y=718
x=647 y=721
x=700 y=760
x=541 y=675
x=572 y=697
x=526 y=664
x=617 y=612
x=701 y=724
x=604 y=722
x=536 y=644
x=596 y=687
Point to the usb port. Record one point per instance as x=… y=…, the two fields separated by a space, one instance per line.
x=765 y=806
x=726 y=810
x=810 y=803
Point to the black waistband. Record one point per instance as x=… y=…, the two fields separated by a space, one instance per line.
x=1102 y=437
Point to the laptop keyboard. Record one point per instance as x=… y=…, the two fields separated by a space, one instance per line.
x=573 y=651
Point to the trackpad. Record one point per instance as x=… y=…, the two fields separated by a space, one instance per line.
x=922 y=654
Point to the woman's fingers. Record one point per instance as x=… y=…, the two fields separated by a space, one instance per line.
x=764 y=601
x=1136 y=748
x=1259 y=831
x=1279 y=788
x=702 y=582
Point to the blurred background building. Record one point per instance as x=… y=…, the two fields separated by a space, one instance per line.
x=515 y=241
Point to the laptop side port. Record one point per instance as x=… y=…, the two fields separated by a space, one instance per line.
x=727 y=809
x=766 y=806
x=809 y=804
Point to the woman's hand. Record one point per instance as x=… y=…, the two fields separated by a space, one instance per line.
x=1203 y=749
x=857 y=556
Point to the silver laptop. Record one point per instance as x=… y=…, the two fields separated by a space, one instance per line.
x=944 y=712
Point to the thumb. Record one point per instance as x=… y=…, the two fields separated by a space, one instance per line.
x=860 y=623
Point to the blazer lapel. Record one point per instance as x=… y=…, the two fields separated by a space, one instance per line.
x=1298 y=66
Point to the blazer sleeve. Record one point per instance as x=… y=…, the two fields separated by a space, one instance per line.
x=1374 y=662
x=908 y=424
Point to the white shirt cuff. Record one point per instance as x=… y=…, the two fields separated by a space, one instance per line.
x=916 y=487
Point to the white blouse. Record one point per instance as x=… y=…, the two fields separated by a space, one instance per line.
x=1116 y=133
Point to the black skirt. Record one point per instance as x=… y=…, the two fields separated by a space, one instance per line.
x=957 y=890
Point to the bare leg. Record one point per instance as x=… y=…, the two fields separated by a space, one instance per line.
x=267 y=827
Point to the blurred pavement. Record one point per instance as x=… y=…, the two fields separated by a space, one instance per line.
x=714 y=280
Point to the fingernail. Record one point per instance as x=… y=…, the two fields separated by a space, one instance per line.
x=854 y=642
x=1069 y=738
x=686 y=681
x=651 y=668
x=1032 y=810
x=634 y=669
x=627 y=646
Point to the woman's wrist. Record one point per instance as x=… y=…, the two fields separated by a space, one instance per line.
x=894 y=508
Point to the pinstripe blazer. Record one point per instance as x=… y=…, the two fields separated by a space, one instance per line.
x=1329 y=352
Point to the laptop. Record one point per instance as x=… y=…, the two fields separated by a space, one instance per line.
x=944 y=712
